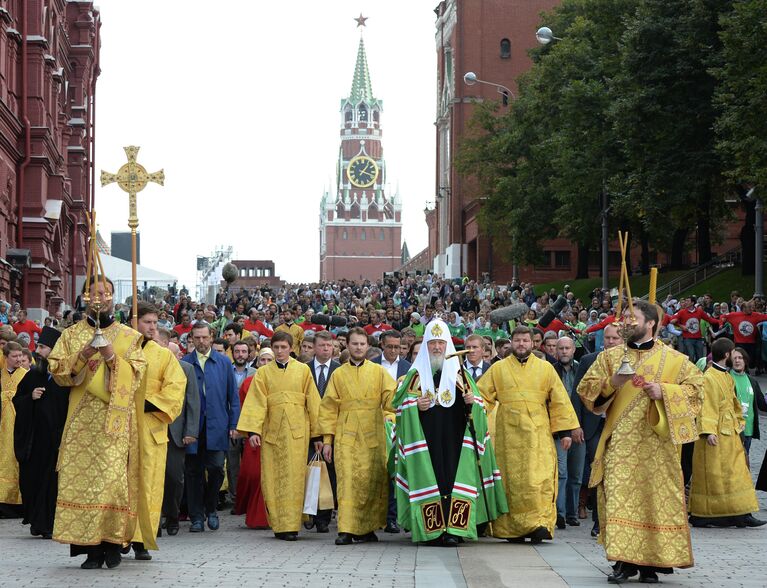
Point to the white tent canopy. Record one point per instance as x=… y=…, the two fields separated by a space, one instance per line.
x=119 y=271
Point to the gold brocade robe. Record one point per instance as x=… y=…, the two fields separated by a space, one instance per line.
x=636 y=470
x=352 y=412
x=281 y=406
x=9 y=467
x=721 y=481
x=296 y=332
x=164 y=386
x=532 y=406
x=99 y=455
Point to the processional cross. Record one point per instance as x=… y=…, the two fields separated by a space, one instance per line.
x=132 y=178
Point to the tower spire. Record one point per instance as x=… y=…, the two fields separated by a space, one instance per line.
x=362 y=89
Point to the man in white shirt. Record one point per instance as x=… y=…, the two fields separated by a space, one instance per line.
x=390 y=344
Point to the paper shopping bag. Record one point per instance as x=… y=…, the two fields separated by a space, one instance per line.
x=312 y=491
x=326 y=501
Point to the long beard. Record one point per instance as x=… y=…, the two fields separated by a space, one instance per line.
x=41 y=363
x=436 y=362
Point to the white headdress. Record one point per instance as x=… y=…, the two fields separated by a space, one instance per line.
x=445 y=396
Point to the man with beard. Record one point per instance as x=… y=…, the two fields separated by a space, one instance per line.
x=650 y=414
x=159 y=401
x=533 y=407
x=441 y=496
x=41 y=409
x=240 y=352
x=97 y=505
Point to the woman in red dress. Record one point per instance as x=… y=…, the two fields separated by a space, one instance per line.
x=250 y=498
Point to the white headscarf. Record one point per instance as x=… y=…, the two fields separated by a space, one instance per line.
x=445 y=396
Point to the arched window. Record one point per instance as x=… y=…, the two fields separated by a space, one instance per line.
x=362 y=113
x=345 y=235
x=376 y=116
x=505 y=49
x=348 y=114
x=382 y=235
x=363 y=235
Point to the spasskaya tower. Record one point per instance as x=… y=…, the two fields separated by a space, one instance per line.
x=360 y=223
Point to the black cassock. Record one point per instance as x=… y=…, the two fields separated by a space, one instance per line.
x=37 y=435
x=443 y=429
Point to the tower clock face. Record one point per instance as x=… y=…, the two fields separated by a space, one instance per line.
x=362 y=171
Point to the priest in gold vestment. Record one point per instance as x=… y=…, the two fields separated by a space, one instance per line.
x=159 y=401
x=352 y=412
x=97 y=507
x=280 y=416
x=533 y=408
x=636 y=468
x=722 y=493
x=12 y=373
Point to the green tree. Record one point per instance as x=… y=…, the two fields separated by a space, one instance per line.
x=664 y=114
x=741 y=96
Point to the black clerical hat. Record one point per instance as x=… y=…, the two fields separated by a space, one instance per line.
x=49 y=336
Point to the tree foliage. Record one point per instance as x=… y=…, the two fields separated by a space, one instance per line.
x=636 y=99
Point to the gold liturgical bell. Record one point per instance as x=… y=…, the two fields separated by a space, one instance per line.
x=95 y=302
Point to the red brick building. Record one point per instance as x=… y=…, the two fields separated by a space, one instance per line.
x=255 y=273
x=360 y=224
x=48 y=68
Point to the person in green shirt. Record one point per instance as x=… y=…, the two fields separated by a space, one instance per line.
x=495 y=332
x=749 y=393
x=457 y=328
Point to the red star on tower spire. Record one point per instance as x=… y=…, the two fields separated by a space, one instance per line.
x=361 y=20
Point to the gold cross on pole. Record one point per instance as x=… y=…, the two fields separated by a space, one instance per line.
x=132 y=178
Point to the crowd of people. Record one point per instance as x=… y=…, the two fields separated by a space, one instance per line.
x=502 y=427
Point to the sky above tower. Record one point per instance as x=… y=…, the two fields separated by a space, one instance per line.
x=239 y=103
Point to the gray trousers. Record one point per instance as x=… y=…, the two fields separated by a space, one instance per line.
x=174 y=481
x=233 y=457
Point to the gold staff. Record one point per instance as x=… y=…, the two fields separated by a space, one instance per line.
x=132 y=178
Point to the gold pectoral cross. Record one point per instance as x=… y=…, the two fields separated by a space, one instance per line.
x=132 y=177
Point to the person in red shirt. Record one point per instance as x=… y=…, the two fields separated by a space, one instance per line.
x=688 y=319
x=308 y=325
x=185 y=325
x=744 y=329
x=377 y=325
x=255 y=325
x=22 y=325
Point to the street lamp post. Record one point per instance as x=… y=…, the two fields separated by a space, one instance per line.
x=759 y=244
x=544 y=36
x=470 y=79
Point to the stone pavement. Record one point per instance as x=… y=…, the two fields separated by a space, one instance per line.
x=237 y=556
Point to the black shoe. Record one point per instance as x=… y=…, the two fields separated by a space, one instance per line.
x=595 y=531
x=140 y=553
x=47 y=536
x=322 y=527
x=171 y=526
x=573 y=522
x=391 y=527
x=233 y=511
x=287 y=536
x=540 y=534
x=648 y=577
x=751 y=521
x=93 y=562
x=623 y=572
x=561 y=522
x=700 y=522
x=34 y=532
x=367 y=538
x=451 y=541
x=344 y=539
x=112 y=557
x=515 y=539
x=125 y=549
x=309 y=523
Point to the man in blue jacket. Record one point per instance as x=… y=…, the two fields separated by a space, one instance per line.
x=219 y=412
